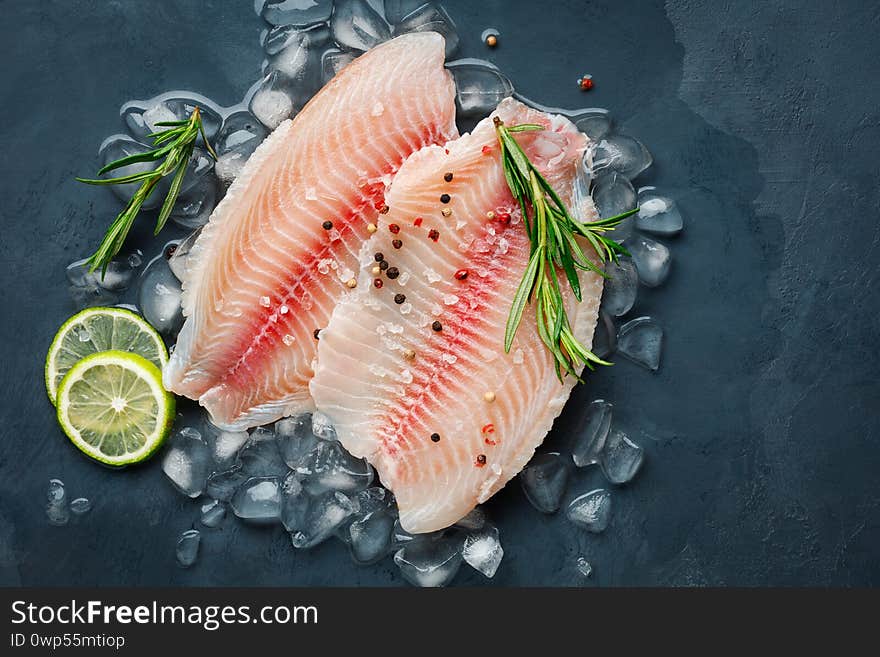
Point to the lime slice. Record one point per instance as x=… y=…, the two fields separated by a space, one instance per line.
x=113 y=407
x=100 y=329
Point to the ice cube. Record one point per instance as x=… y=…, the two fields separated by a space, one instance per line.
x=281 y=36
x=224 y=445
x=299 y=13
x=399 y=536
x=333 y=61
x=652 y=260
x=271 y=102
x=395 y=10
x=544 y=480
x=592 y=510
x=370 y=537
x=187 y=461
x=369 y=533
x=621 y=458
x=241 y=133
x=57 y=510
x=117 y=147
x=592 y=433
x=292 y=61
x=658 y=214
x=188 y=548
x=604 y=336
x=87 y=297
x=584 y=567
x=621 y=153
x=117 y=277
x=182 y=104
x=180 y=257
x=641 y=341
x=198 y=192
x=260 y=455
x=593 y=122
x=356 y=26
x=294 y=503
x=213 y=513
x=330 y=467
x=621 y=288
x=80 y=506
x=482 y=550
x=324 y=515
x=613 y=194
x=160 y=297
x=430 y=17
x=429 y=563
x=258 y=500
x=298 y=60
x=228 y=167
x=222 y=485
x=479 y=86
x=142 y=116
x=322 y=427
x=295 y=439
x=474 y=520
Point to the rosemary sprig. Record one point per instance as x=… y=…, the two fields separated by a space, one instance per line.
x=554 y=237
x=176 y=146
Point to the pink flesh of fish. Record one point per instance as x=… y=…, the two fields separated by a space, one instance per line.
x=264 y=274
x=388 y=381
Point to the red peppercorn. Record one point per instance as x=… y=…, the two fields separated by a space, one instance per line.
x=461 y=274
x=377 y=282
x=586 y=83
x=481 y=460
x=394 y=228
x=384 y=209
x=502 y=216
x=486 y=150
x=417 y=221
x=434 y=234
x=489 y=428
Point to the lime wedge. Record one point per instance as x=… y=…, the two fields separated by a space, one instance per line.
x=100 y=329
x=113 y=407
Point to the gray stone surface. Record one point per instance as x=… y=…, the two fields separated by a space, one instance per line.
x=760 y=427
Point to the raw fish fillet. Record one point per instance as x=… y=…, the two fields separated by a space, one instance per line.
x=264 y=274
x=413 y=400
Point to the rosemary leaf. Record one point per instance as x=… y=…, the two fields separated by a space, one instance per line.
x=176 y=146
x=553 y=234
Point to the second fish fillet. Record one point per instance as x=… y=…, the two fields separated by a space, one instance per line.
x=411 y=369
x=281 y=248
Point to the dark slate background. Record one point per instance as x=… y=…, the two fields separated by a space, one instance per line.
x=761 y=427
